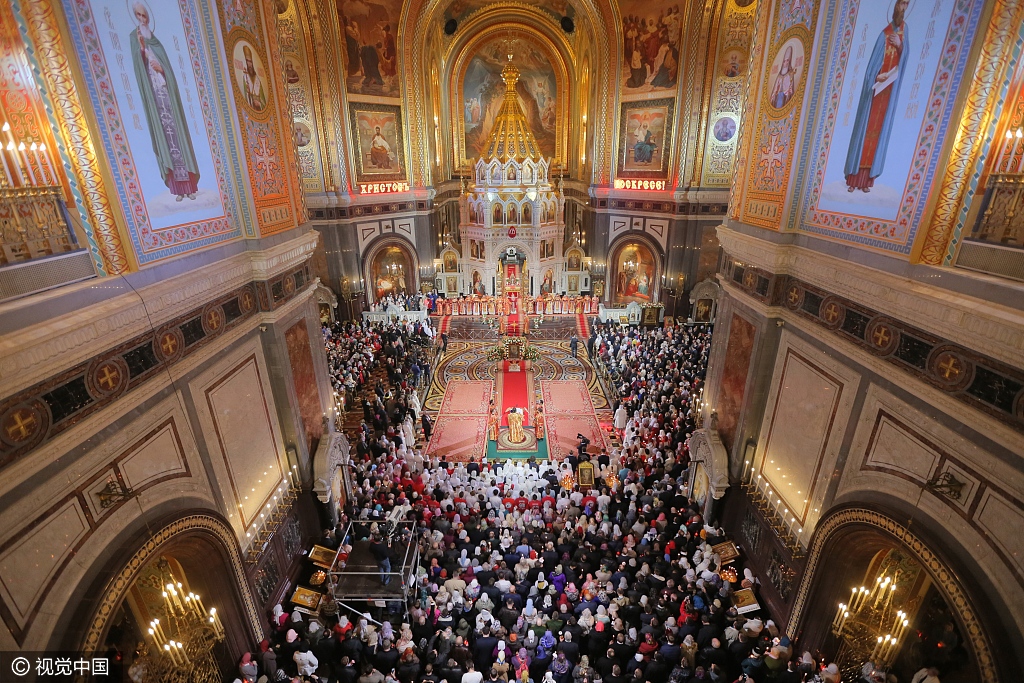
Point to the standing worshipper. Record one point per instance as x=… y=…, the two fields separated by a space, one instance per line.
x=382 y=554
x=574 y=345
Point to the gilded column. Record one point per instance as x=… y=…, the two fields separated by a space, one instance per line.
x=979 y=110
x=44 y=32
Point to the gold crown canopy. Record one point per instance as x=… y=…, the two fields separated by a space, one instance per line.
x=511 y=137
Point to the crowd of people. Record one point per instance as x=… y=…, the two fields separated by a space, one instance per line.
x=402 y=302
x=523 y=579
x=400 y=348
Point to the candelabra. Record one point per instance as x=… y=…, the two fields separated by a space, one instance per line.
x=183 y=640
x=780 y=521
x=266 y=524
x=871 y=626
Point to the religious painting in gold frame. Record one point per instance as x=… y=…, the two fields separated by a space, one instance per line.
x=379 y=148
x=322 y=557
x=391 y=272
x=585 y=474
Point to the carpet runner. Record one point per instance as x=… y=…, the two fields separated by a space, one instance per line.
x=581 y=321
x=515 y=391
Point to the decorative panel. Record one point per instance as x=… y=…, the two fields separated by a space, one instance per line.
x=246 y=438
x=37 y=555
x=890 y=80
x=306 y=391
x=153 y=88
x=779 y=109
x=726 y=108
x=733 y=385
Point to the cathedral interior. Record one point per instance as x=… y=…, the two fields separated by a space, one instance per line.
x=502 y=183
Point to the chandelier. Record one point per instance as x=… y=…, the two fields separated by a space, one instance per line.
x=871 y=626
x=183 y=640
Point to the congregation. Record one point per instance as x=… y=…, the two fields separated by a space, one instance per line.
x=524 y=580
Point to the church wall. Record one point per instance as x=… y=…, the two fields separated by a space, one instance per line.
x=893 y=435
x=186 y=434
x=301 y=67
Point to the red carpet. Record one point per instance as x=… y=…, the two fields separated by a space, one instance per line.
x=446 y=322
x=514 y=392
x=581 y=320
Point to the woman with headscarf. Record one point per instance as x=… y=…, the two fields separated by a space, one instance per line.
x=247 y=669
x=529 y=611
x=501 y=662
x=688 y=651
x=520 y=661
x=561 y=667
x=583 y=672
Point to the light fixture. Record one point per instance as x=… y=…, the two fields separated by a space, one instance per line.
x=114 y=493
x=871 y=625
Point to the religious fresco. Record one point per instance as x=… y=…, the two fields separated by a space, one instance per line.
x=651 y=33
x=547 y=284
x=150 y=93
x=645 y=144
x=478 y=286
x=304 y=375
x=768 y=169
x=733 y=384
x=898 y=67
x=483 y=92
x=298 y=84
x=461 y=9
x=391 y=272
x=250 y=77
x=717 y=165
x=633 y=275
x=371 y=49
x=377 y=133
x=786 y=73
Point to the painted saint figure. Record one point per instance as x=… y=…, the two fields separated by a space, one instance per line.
x=380 y=150
x=255 y=93
x=785 y=81
x=643 y=149
x=168 y=129
x=876 y=111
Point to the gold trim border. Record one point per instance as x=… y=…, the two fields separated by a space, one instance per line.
x=116 y=590
x=977 y=117
x=44 y=29
x=947 y=583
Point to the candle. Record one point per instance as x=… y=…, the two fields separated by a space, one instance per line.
x=18 y=172
x=839 y=616
x=159 y=631
x=878 y=647
x=169 y=652
x=28 y=163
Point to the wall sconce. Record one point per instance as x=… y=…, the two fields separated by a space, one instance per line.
x=946 y=484
x=113 y=493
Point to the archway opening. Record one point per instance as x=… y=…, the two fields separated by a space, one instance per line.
x=203 y=614
x=886 y=593
x=634 y=270
x=391 y=272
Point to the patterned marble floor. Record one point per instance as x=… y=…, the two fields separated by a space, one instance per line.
x=467 y=360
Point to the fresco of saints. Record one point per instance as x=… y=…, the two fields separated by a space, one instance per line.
x=876 y=110
x=252 y=84
x=785 y=80
x=643 y=148
x=168 y=129
x=380 y=150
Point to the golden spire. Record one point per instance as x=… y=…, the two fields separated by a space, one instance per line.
x=511 y=137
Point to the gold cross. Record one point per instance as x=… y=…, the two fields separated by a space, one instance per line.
x=950 y=369
x=247 y=300
x=168 y=343
x=794 y=295
x=831 y=313
x=748 y=279
x=22 y=427
x=110 y=376
x=881 y=336
x=213 y=319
